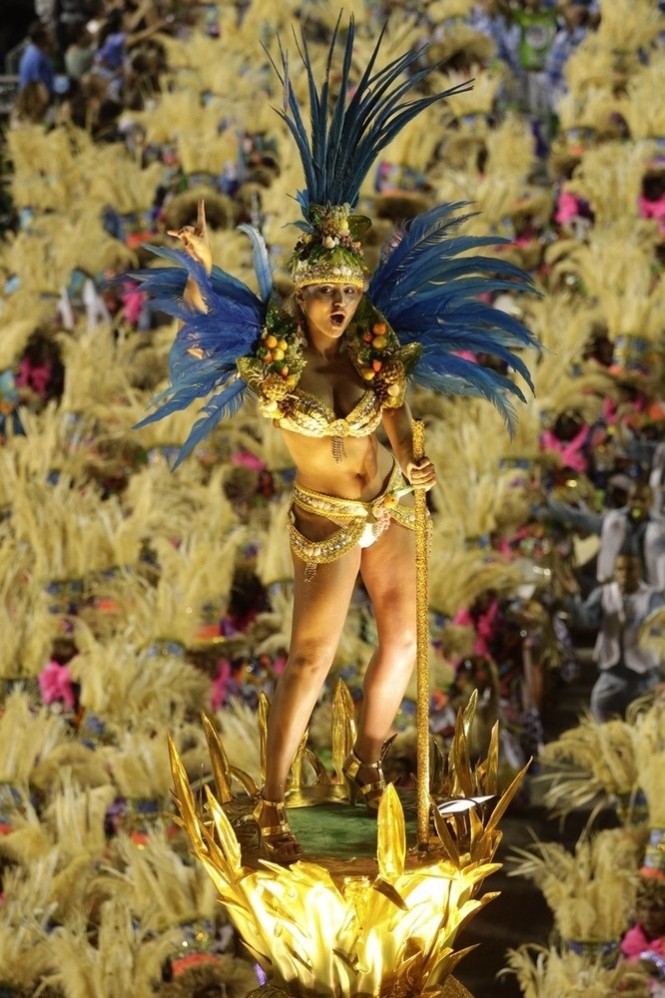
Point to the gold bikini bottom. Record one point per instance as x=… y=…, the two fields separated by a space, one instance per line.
x=360 y=522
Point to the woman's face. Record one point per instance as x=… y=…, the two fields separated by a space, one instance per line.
x=329 y=308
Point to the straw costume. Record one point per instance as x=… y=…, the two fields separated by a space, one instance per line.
x=418 y=313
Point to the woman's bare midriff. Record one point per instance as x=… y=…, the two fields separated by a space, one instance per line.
x=359 y=475
x=362 y=474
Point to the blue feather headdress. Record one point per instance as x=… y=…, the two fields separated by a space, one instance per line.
x=428 y=284
x=347 y=132
x=423 y=313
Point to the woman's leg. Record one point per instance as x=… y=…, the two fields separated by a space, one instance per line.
x=388 y=570
x=320 y=608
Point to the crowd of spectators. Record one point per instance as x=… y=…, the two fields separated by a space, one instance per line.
x=591 y=566
x=69 y=40
x=80 y=43
x=91 y=62
x=81 y=63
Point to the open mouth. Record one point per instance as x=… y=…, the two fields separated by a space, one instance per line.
x=337 y=318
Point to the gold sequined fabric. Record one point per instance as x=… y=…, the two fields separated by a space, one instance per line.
x=451 y=989
x=304 y=413
x=360 y=522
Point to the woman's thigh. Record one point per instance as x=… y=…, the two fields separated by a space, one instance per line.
x=388 y=570
x=321 y=603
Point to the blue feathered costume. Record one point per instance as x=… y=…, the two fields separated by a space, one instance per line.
x=426 y=290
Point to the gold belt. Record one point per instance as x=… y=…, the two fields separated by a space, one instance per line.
x=355 y=518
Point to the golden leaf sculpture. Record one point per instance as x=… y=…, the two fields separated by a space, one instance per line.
x=358 y=929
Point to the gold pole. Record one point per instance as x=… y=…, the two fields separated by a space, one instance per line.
x=422 y=647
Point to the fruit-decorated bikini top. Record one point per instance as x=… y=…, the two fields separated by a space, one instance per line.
x=275 y=373
x=302 y=412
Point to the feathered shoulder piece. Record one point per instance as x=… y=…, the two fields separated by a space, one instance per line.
x=433 y=287
x=230 y=339
x=426 y=312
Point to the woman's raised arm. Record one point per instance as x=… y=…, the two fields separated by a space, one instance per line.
x=195 y=242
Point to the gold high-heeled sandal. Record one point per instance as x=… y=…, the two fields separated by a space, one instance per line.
x=370 y=792
x=277 y=842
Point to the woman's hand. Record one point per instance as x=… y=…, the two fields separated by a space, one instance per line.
x=421 y=474
x=194 y=239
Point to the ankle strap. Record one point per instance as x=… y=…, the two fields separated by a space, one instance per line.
x=270 y=803
x=366 y=765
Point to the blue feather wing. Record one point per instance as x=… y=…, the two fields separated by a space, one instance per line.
x=222 y=405
x=168 y=283
x=202 y=360
x=465 y=378
x=428 y=286
x=261 y=261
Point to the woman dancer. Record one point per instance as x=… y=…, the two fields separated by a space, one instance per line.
x=331 y=376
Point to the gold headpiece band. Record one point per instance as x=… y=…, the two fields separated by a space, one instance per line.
x=330 y=252
x=326 y=272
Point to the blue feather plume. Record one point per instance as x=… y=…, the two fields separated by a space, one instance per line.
x=260 y=261
x=202 y=360
x=427 y=287
x=346 y=134
x=221 y=406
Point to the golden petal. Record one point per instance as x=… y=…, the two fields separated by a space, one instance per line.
x=492 y=762
x=391 y=835
x=459 y=753
x=297 y=764
x=448 y=842
x=472 y=909
x=349 y=959
x=468 y=713
x=226 y=837
x=445 y=967
x=299 y=958
x=387 y=889
x=313 y=761
x=183 y=796
x=343 y=725
x=506 y=798
x=262 y=719
x=220 y=764
x=245 y=780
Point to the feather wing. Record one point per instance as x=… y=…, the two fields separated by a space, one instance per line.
x=202 y=360
x=220 y=406
x=428 y=286
x=261 y=261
